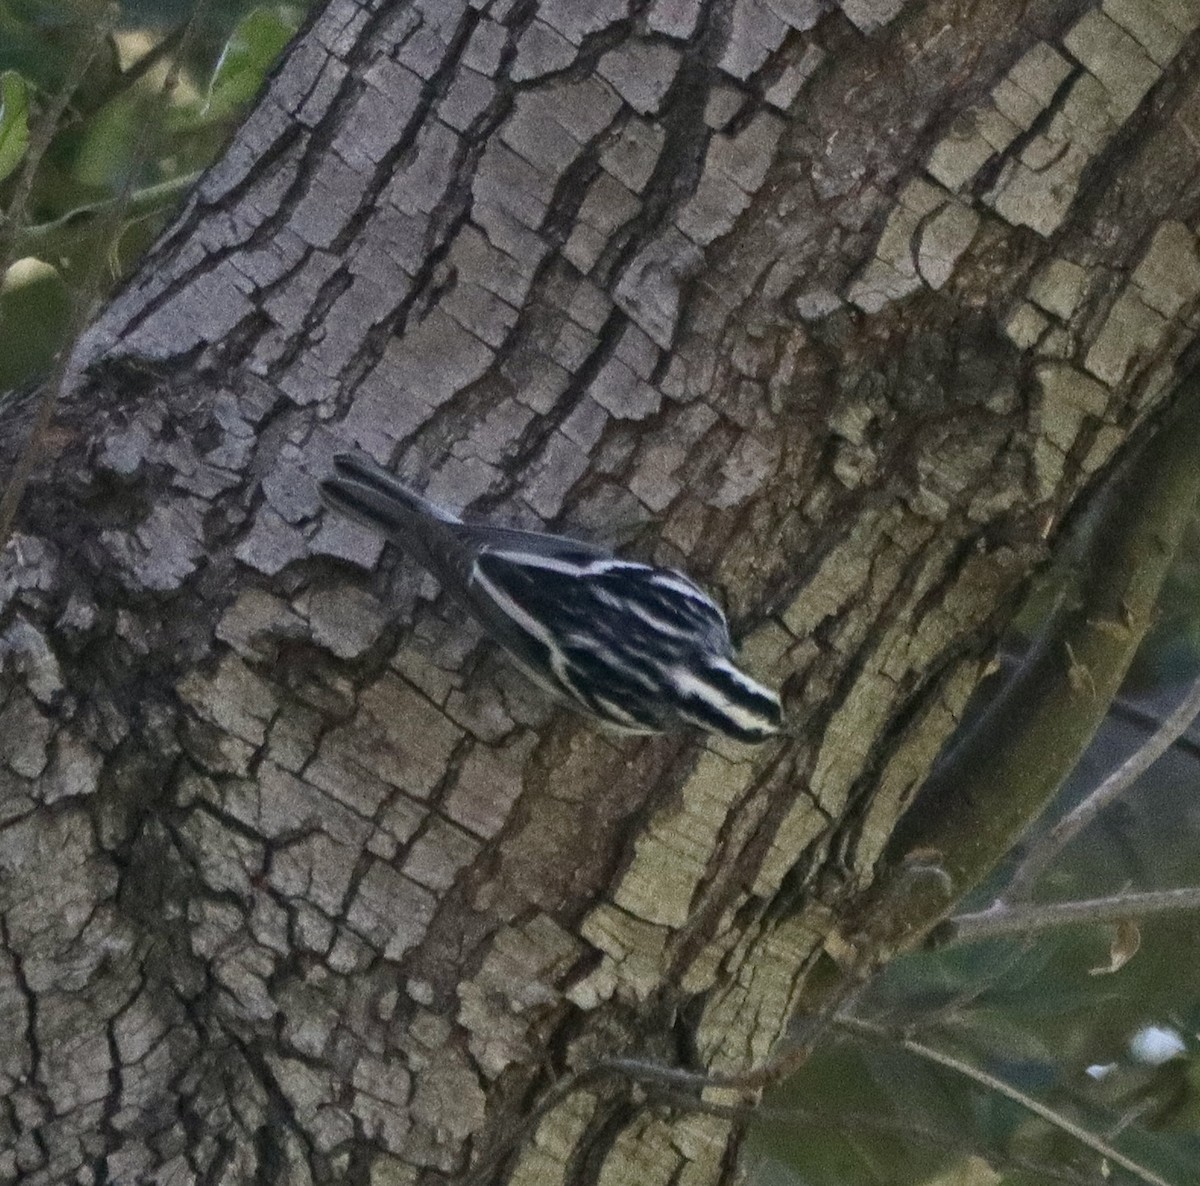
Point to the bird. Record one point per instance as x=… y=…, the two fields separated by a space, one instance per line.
x=636 y=648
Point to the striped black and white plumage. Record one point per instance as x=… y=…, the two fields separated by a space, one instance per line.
x=640 y=648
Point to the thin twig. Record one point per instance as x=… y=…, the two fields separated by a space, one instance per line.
x=1009 y=1092
x=1002 y=919
x=1145 y=720
x=139 y=69
x=1043 y=853
x=50 y=239
x=775 y=1069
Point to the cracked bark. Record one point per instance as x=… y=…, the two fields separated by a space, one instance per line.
x=840 y=307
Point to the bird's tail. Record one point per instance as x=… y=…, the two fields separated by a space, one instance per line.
x=438 y=539
x=367 y=492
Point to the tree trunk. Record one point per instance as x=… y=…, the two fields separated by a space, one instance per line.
x=841 y=308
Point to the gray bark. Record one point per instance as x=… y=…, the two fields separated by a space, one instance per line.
x=841 y=307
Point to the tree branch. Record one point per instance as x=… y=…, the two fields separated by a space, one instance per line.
x=1003 y=919
x=1005 y=771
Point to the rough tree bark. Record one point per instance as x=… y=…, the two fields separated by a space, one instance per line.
x=842 y=307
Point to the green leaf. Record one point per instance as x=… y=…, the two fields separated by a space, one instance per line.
x=14 y=121
x=255 y=43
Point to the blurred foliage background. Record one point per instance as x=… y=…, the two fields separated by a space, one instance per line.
x=107 y=115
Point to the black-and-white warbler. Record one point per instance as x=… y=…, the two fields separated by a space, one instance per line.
x=640 y=648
